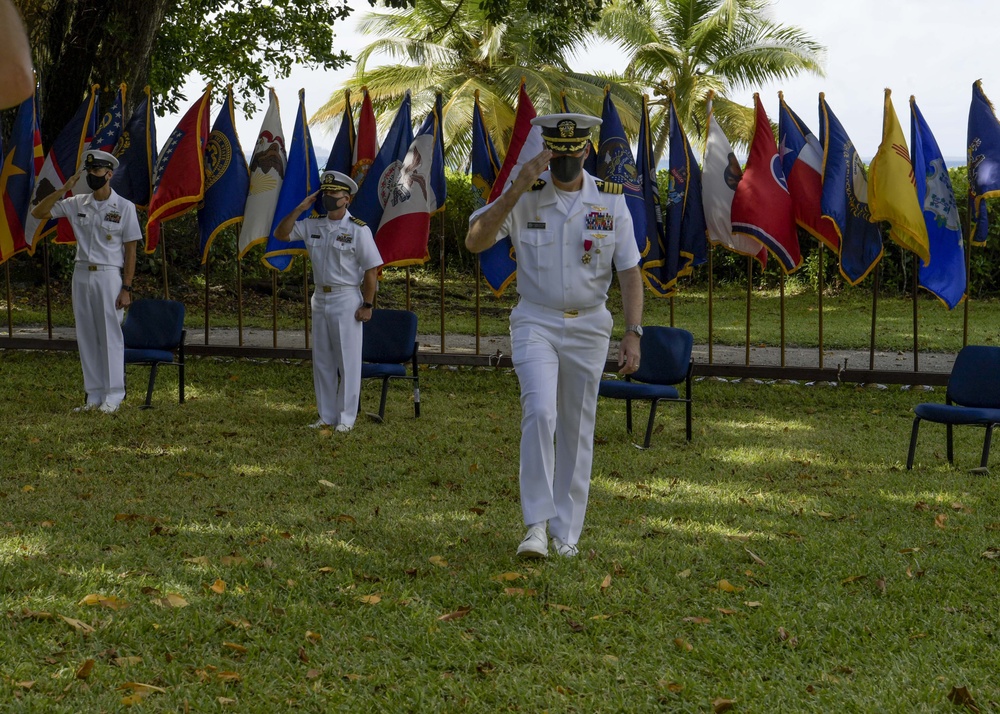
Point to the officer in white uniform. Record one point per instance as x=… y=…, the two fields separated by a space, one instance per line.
x=568 y=228
x=106 y=230
x=344 y=257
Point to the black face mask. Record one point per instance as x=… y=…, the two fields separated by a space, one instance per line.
x=565 y=169
x=332 y=204
x=95 y=182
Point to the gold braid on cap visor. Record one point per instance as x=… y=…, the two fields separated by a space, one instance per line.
x=565 y=146
x=332 y=186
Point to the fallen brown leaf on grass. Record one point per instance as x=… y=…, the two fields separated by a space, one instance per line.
x=722 y=705
x=313 y=636
x=606 y=583
x=124 y=662
x=171 y=600
x=940 y=521
x=457 y=614
x=438 y=561
x=727 y=587
x=370 y=599
x=788 y=638
x=109 y=601
x=78 y=625
x=682 y=644
x=238 y=649
x=754 y=557
x=200 y=560
x=960 y=696
x=85 y=668
x=218 y=587
x=696 y=620
x=506 y=577
x=524 y=592
x=852 y=579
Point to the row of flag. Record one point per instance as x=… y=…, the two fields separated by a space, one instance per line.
x=818 y=184
x=207 y=170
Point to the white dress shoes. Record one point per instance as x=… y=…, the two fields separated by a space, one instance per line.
x=534 y=544
x=318 y=424
x=564 y=549
x=109 y=408
x=344 y=428
x=88 y=407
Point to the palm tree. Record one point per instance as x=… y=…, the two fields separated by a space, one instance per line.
x=449 y=46
x=688 y=48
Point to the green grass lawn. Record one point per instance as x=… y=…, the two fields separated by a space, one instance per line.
x=784 y=559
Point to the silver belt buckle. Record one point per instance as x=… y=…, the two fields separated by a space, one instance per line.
x=92 y=268
x=571 y=313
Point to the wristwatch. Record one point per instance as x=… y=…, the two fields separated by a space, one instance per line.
x=637 y=329
x=367 y=305
x=127 y=288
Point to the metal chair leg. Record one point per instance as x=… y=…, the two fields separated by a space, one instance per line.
x=628 y=416
x=986 y=445
x=913 y=443
x=652 y=418
x=951 y=450
x=149 y=391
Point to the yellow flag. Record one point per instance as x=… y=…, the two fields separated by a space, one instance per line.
x=892 y=190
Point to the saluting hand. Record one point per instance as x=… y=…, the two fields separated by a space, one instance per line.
x=307 y=202
x=531 y=170
x=71 y=182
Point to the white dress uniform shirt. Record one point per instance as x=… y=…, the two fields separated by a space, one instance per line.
x=565 y=244
x=341 y=252
x=101 y=228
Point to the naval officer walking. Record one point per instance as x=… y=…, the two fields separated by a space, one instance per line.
x=568 y=229
x=106 y=230
x=344 y=257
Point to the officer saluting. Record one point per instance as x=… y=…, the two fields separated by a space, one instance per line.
x=343 y=256
x=568 y=228
x=106 y=230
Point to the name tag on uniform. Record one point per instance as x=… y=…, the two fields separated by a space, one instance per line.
x=81 y=215
x=113 y=216
x=345 y=238
x=536 y=225
x=314 y=236
x=600 y=221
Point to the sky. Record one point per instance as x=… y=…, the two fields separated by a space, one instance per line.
x=919 y=47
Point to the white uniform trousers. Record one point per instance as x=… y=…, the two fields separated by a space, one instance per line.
x=336 y=348
x=99 y=331
x=559 y=361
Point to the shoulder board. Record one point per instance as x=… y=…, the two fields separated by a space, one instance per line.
x=538 y=185
x=358 y=221
x=608 y=186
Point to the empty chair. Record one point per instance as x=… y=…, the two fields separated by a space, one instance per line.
x=972 y=398
x=388 y=344
x=154 y=336
x=664 y=363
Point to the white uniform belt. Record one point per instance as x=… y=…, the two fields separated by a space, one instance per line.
x=334 y=288
x=567 y=313
x=95 y=266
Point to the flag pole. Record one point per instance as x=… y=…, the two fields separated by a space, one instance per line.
x=163 y=246
x=822 y=270
x=749 y=288
x=206 y=300
x=10 y=300
x=711 y=284
x=407 y=287
x=48 y=287
x=672 y=307
x=239 y=298
x=305 y=297
x=441 y=281
x=274 y=307
x=781 y=313
x=968 y=278
x=916 y=350
x=479 y=275
x=871 y=348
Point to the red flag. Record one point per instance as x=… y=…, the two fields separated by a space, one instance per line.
x=525 y=144
x=762 y=206
x=179 y=176
x=366 y=141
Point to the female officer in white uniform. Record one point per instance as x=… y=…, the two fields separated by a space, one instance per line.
x=567 y=228
x=106 y=230
x=343 y=256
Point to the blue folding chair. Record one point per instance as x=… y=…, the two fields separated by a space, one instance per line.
x=388 y=344
x=972 y=398
x=154 y=336
x=665 y=363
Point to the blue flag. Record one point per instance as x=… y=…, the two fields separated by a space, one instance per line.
x=301 y=179
x=227 y=178
x=109 y=131
x=496 y=262
x=137 y=145
x=845 y=199
x=367 y=204
x=17 y=179
x=944 y=274
x=653 y=262
x=686 y=228
x=984 y=161
x=616 y=164
x=342 y=154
